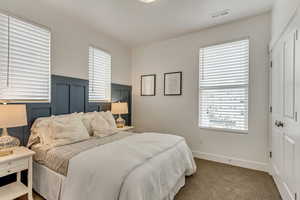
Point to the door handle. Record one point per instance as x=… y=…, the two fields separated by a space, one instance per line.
x=279 y=124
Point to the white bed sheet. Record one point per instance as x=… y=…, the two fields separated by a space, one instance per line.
x=49 y=184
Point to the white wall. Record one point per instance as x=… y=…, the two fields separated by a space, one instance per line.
x=71 y=39
x=179 y=115
x=282 y=13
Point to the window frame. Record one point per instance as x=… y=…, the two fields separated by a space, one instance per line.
x=227 y=130
x=111 y=61
x=9 y=14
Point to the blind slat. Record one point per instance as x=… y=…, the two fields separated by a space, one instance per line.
x=223 y=86
x=27 y=71
x=3 y=50
x=99 y=75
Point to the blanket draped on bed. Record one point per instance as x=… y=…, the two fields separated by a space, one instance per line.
x=129 y=169
x=58 y=158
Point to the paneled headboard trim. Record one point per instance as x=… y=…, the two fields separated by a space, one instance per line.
x=69 y=95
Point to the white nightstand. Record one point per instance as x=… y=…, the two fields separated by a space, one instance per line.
x=20 y=160
x=126 y=128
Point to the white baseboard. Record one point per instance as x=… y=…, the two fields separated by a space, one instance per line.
x=232 y=161
x=282 y=187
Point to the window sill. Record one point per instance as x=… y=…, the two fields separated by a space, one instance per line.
x=224 y=130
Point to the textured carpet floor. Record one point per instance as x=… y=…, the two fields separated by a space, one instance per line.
x=215 y=181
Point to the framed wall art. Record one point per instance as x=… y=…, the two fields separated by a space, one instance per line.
x=173 y=84
x=148 y=85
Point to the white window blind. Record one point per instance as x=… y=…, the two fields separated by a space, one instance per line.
x=24 y=60
x=99 y=75
x=223 y=86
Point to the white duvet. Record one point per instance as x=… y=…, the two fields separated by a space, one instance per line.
x=140 y=167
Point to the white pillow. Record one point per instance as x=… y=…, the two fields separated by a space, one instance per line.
x=108 y=116
x=40 y=131
x=67 y=130
x=67 y=115
x=87 y=119
x=101 y=127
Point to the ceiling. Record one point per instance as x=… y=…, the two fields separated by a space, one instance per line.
x=136 y=23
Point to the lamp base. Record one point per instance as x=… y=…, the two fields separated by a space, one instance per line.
x=7 y=141
x=4 y=153
x=120 y=122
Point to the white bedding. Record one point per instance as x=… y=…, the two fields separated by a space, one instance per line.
x=140 y=167
x=48 y=183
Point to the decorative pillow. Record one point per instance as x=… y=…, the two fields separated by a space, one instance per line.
x=101 y=127
x=87 y=119
x=67 y=115
x=40 y=130
x=67 y=130
x=108 y=116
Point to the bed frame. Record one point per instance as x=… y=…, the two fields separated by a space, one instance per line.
x=69 y=95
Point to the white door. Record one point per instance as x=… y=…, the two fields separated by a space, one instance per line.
x=285 y=127
x=277 y=109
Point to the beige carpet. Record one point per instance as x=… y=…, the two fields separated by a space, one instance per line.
x=215 y=181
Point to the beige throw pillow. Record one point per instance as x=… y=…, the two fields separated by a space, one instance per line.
x=40 y=131
x=67 y=130
x=101 y=127
x=87 y=119
x=108 y=116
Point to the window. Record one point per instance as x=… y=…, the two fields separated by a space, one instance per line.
x=223 y=86
x=24 y=60
x=99 y=75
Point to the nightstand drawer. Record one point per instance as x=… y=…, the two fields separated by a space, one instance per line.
x=13 y=166
x=18 y=163
x=8 y=171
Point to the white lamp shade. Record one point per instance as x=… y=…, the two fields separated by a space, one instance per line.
x=119 y=108
x=13 y=116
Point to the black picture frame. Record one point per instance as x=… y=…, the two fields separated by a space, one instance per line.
x=180 y=79
x=154 y=84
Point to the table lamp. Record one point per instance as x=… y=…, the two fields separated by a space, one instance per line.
x=13 y=115
x=119 y=109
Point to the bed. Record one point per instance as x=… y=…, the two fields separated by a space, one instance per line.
x=117 y=165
